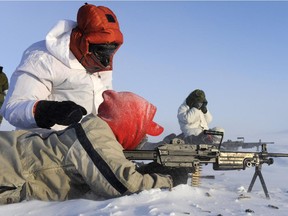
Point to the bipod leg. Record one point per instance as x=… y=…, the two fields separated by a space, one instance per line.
x=258 y=173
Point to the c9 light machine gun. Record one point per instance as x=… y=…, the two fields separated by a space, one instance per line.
x=179 y=154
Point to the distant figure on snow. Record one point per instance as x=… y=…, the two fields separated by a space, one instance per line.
x=194 y=117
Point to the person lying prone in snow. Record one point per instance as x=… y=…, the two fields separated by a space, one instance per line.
x=85 y=158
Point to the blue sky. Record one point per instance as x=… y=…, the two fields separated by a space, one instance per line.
x=235 y=51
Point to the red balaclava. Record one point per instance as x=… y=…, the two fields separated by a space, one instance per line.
x=129 y=116
x=95 y=25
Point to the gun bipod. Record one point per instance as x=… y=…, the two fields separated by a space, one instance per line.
x=259 y=173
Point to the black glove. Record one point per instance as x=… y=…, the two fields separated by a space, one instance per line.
x=204 y=107
x=179 y=175
x=48 y=113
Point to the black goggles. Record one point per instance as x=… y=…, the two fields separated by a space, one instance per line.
x=103 y=52
x=103 y=49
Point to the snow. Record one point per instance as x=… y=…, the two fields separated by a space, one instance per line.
x=224 y=195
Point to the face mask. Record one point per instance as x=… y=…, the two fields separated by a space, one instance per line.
x=103 y=52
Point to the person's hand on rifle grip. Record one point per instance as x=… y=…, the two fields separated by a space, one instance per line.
x=49 y=113
x=179 y=175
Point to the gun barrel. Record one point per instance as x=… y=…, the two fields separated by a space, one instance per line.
x=277 y=155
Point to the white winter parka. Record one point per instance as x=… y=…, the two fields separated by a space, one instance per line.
x=49 y=71
x=192 y=121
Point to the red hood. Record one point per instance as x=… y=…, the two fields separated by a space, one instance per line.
x=129 y=116
x=95 y=25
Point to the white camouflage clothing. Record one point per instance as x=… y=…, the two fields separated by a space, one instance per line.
x=52 y=73
x=193 y=121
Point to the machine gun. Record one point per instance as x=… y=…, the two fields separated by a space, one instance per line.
x=179 y=154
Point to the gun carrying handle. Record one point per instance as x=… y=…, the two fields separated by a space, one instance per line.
x=211 y=132
x=217 y=133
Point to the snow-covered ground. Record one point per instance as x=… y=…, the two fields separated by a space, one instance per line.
x=224 y=195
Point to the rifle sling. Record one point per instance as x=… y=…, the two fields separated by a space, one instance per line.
x=98 y=161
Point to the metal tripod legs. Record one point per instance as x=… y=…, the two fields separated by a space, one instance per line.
x=258 y=173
